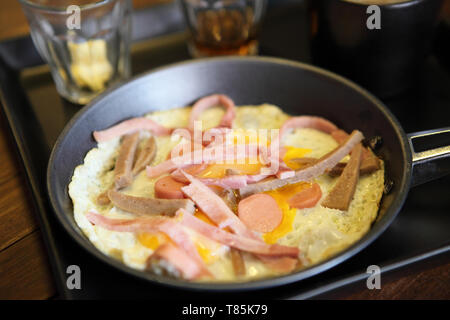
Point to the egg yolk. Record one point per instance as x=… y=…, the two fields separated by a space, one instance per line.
x=281 y=196
x=293 y=153
x=202 y=216
x=248 y=166
x=204 y=253
x=219 y=170
x=152 y=240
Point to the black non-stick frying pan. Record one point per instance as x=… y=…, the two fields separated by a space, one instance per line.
x=297 y=88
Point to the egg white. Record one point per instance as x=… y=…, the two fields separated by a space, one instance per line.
x=318 y=232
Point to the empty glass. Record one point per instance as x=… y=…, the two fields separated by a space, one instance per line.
x=223 y=27
x=85 y=43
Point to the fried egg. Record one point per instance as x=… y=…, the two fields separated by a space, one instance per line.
x=318 y=232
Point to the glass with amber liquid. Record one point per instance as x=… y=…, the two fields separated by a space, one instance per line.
x=223 y=27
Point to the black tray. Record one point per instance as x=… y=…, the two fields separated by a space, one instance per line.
x=36 y=115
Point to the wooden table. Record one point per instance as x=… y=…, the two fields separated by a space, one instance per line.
x=24 y=267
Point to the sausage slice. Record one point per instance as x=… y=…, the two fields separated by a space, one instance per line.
x=168 y=188
x=260 y=212
x=307 y=198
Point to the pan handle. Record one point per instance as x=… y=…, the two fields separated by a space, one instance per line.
x=430 y=154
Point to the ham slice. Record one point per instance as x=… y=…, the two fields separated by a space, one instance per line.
x=149 y=224
x=213 y=206
x=149 y=206
x=342 y=193
x=215 y=154
x=130 y=126
x=123 y=175
x=313 y=122
x=326 y=162
x=234 y=240
x=280 y=264
x=183 y=263
x=366 y=167
x=152 y=224
x=370 y=162
x=220 y=213
x=229 y=182
x=162 y=168
x=211 y=101
x=145 y=156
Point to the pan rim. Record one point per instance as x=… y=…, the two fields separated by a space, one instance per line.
x=376 y=229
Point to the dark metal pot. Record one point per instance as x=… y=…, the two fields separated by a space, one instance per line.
x=385 y=61
x=297 y=88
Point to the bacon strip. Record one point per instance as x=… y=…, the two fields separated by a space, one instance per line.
x=211 y=101
x=145 y=156
x=313 y=122
x=152 y=224
x=342 y=193
x=149 y=206
x=123 y=175
x=233 y=240
x=130 y=126
x=326 y=162
x=178 y=258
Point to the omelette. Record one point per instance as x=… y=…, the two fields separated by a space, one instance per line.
x=223 y=221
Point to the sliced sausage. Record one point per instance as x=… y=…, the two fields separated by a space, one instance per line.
x=237 y=261
x=123 y=175
x=368 y=166
x=326 y=162
x=342 y=193
x=260 y=212
x=370 y=162
x=149 y=206
x=168 y=188
x=307 y=198
x=103 y=199
x=145 y=156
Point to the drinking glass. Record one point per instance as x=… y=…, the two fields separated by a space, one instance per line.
x=223 y=27
x=85 y=43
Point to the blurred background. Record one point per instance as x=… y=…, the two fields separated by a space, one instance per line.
x=14 y=24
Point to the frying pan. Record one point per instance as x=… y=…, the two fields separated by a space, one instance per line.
x=297 y=88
